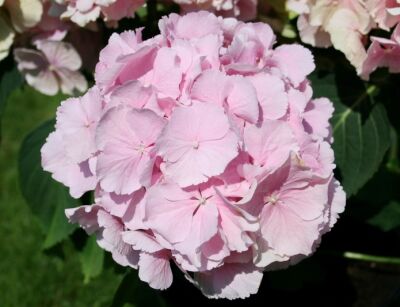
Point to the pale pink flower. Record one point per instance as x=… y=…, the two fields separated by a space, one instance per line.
x=385 y=12
x=126 y=148
x=77 y=176
x=241 y=9
x=204 y=147
x=238 y=280
x=383 y=53
x=286 y=57
x=206 y=222
x=291 y=209
x=270 y=145
x=83 y=12
x=193 y=153
x=108 y=231
x=53 y=67
x=78 y=117
x=342 y=23
x=154 y=261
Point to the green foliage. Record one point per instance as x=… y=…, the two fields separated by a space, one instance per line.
x=31 y=277
x=10 y=79
x=92 y=259
x=361 y=128
x=46 y=197
x=388 y=218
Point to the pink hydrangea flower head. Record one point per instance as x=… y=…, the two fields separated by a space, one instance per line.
x=205 y=149
x=53 y=67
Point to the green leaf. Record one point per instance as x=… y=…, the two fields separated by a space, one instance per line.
x=46 y=197
x=10 y=79
x=361 y=128
x=393 y=163
x=133 y=292
x=388 y=218
x=92 y=259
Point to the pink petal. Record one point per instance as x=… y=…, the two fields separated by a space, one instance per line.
x=61 y=55
x=85 y=216
x=211 y=86
x=29 y=59
x=141 y=241
x=317 y=115
x=111 y=240
x=45 y=82
x=125 y=147
x=271 y=144
x=167 y=75
x=195 y=152
x=230 y=281
x=155 y=270
x=242 y=99
x=204 y=226
x=166 y=204
x=271 y=95
x=71 y=81
x=287 y=233
x=295 y=62
x=77 y=177
x=131 y=93
x=236 y=228
x=77 y=119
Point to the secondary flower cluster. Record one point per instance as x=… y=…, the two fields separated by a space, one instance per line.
x=83 y=12
x=46 y=56
x=48 y=63
x=241 y=9
x=205 y=148
x=346 y=24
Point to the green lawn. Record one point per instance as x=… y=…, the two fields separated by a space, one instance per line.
x=28 y=277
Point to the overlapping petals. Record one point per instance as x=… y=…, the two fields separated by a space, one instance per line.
x=205 y=149
x=346 y=25
x=53 y=67
x=242 y=9
x=83 y=12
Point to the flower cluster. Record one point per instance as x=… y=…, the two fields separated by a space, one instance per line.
x=346 y=25
x=44 y=33
x=83 y=12
x=241 y=9
x=204 y=148
x=37 y=26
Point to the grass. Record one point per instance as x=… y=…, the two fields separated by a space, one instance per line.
x=29 y=277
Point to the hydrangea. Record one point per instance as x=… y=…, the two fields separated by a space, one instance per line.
x=383 y=52
x=205 y=149
x=346 y=25
x=341 y=23
x=54 y=66
x=241 y=9
x=83 y=12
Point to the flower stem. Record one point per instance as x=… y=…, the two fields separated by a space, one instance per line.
x=364 y=257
